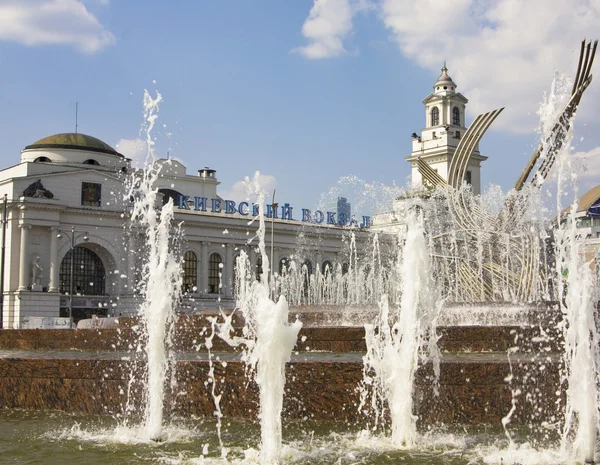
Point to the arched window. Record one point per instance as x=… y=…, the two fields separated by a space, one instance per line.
x=327 y=268
x=91 y=161
x=435 y=116
x=42 y=160
x=284 y=266
x=190 y=271
x=345 y=268
x=169 y=194
x=89 y=277
x=456 y=116
x=214 y=270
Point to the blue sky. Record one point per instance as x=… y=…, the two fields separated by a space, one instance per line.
x=304 y=91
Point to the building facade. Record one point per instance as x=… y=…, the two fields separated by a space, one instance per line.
x=67 y=205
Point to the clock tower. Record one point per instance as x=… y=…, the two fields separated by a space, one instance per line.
x=444 y=127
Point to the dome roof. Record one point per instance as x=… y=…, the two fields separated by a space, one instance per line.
x=444 y=79
x=76 y=141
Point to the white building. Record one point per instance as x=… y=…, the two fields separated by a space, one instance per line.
x=68 y=189
x=587 y=222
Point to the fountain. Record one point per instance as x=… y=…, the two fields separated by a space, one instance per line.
x=456 y=321
x=161 y=282
x=268 y=341
x=393 y=350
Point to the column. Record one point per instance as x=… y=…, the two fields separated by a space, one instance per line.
x=229 y=265
x=54 y=265
x=204 y=267
x=131 y=263
x=24 y=258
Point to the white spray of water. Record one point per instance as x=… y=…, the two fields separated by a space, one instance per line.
x=268 y=340
x=161 y=275
x=575 y=292
x=576 y=297
x=582 y=356
x=394 y=343
x=213 y=384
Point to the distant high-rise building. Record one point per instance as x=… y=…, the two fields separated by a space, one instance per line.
x=340 y=206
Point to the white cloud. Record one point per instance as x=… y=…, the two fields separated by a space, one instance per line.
x=328 y=23
x=588 y=164
x=52 y=22
x=501 y=52
x=136 y=149
x=238 y=192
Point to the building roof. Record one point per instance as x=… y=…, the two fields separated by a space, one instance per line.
x=444 y=79
x=75 y=141
x=588 y=199
x=585 y=202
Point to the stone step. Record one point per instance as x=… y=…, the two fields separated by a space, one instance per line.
x=192 y=337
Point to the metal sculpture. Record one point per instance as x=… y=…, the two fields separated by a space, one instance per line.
x=505 y=262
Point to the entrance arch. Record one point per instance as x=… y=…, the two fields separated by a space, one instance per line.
x=89 y=274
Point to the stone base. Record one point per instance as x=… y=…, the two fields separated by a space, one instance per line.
x=472 y=390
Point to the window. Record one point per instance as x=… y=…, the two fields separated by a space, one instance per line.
x=345 y=268
x=167 y=195
x=456 y=116
x=88 y=273
x=308 y=265
x=327 y=268
x=307 y=271
x=435 y=116
x=457 y=135
x=42 y=160
x=214 y=271
x=259 y=269
x=468 y=178
x=91 y=161
x=91 y=194
x=190 y=271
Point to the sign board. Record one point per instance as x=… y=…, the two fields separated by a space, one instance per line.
x=44 y=322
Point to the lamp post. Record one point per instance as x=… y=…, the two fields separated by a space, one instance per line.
x=2 y=261
x=73 y=238
x=272 y=265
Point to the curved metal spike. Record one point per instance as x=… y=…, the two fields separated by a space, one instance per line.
x=461 y=146
x=462 y=155
x=487 y=121
x=576 y=81
x=429 y=174
x=582 y=81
